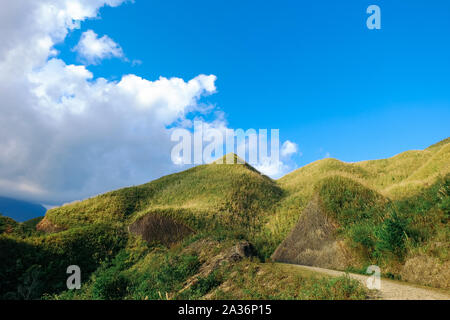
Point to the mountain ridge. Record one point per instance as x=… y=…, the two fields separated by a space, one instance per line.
x=206 y=187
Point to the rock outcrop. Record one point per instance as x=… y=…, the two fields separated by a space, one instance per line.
x=313 y=241
x=45 y=225
x=213 y=261
x=158 y=228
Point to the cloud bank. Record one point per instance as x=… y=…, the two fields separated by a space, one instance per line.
x=66 y=134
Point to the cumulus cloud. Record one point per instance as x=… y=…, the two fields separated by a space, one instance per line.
x=91 y=49
x=276 y=169
x=66 y=134
x=285 y=163
x=288 y=148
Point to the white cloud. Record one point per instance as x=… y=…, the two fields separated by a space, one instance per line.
x=273 y=169
x=276 y=169
x=91 y=49
x=66 y=134
x=288 y=148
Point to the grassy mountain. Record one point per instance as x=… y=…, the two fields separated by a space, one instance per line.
x=181 y=236
x=403 y=176
x=197 y=197
x=392 y=212
x=207 y=189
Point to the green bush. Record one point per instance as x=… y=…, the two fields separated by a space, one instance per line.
x=391 y=235
x=51 y=254
x=110 y=285
x=155 y=274
x=387 y=230
x=363 y=234
x=349 y=202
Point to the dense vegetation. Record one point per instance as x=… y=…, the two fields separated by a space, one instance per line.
x=389 y=212
x=139 y=272
x=385 y=232
x=35 y=265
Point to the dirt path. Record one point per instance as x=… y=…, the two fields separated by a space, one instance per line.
x=390 y=290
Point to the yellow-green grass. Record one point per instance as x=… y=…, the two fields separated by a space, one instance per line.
x=250 y=280
x=416 y=165
x=200 y=197
x=202 y=190
x=206 y=187
x=402 y=176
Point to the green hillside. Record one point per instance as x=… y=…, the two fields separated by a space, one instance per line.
x=402 y=176
x=392 y=212
x=200 y=197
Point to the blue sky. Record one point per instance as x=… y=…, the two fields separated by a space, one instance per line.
x=313 y=70
x=84 y=109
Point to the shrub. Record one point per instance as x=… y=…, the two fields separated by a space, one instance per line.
x=363 y=234
x=110 y=285
x=391 y=235
x=51 y=254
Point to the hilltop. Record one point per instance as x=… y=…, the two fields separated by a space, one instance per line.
x=198 y=197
